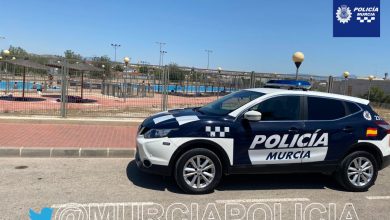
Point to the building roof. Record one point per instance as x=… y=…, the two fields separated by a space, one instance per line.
x=76 y=66
x=27 y=64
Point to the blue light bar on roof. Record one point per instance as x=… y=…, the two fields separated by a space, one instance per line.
x=288 y=84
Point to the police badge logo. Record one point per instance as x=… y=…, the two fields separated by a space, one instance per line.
x=367 y=115
x=343 y=14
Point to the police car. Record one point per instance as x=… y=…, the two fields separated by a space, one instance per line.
x=266 y=130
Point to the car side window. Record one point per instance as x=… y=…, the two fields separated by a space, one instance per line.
x=325 y=109
x=281 y=108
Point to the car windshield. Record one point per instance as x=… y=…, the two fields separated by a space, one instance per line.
x=229 y=103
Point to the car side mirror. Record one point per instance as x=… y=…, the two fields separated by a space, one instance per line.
x=252 y=116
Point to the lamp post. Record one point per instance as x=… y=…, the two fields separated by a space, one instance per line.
x=298 y=58
x=208 y=57
x=219 y=81
x=161 y=44
x=346 y=75
x=163 y=75
x=126 y=60
x=6 y=53
x=104 y=73
x=370 y=78
x=115 y=46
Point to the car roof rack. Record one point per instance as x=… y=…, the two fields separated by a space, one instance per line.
x=289 y=84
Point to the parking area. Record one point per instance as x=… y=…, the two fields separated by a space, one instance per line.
x=115 y=189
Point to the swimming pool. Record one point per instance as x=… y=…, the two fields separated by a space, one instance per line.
x=191 y=88
x=19 y=85
x=10 y=85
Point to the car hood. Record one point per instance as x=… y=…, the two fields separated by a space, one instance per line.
x=173 y=118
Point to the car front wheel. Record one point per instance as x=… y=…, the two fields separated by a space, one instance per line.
x=198 y=171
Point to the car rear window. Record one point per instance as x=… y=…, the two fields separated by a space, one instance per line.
x=325 y=109
x=352 y=107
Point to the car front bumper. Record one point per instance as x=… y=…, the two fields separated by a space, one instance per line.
x=154 y=154
x=153 y=168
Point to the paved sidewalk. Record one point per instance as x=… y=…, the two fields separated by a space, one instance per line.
x=37 y=135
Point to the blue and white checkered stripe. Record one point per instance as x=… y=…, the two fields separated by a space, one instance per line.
x=365 y=19
x=217 y=131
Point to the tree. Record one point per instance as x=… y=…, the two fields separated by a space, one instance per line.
x=102 y=62
x=119 y=68
x=71 y=55
x=143 y=69
x=377 y=95
x=176 y=73
x=17 y=51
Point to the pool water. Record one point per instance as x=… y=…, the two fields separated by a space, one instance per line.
x=192 y=89
x=10 y=85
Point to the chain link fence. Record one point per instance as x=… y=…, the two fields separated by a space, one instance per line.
x=96 y=88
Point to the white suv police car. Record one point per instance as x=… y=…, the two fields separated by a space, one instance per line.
x=266 y=131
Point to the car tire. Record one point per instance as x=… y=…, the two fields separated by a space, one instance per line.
x=189 y=166
x=357 y=176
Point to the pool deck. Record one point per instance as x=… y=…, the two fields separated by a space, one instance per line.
x=48 y=135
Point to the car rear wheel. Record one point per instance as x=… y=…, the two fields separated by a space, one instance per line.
x=198 y=171
x=358 y=171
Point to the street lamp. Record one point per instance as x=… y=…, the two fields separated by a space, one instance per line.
x=346 y=75
x=208 y=57
x=164 y=74
x=219 y=81
x=298 y=58
x=370 y=78
x=161 y=45
x=6 y=52
x=115 y=46
x=126 y=60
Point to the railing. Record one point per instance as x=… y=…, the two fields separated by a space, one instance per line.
x=69 y=92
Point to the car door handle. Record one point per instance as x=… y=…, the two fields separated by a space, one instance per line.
x=348 y=129
x=293 y=130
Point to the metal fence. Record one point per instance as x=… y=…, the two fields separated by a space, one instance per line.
x=70 y=88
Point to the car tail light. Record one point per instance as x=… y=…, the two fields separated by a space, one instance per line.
x=384 y=125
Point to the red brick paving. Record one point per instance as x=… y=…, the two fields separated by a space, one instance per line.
x=66 y=135
x=102 y=102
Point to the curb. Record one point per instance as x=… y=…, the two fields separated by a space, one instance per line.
x=67 y=152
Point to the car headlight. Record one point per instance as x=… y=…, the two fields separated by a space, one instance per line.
x=157 y=133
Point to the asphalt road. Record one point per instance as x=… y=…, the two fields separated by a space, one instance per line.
x=115 y=189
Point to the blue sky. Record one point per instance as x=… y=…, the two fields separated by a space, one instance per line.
x=245 y=35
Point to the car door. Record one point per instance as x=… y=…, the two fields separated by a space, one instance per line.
x=273 y=139
x=331 y=130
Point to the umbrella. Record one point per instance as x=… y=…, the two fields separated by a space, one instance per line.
x=77 y=67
